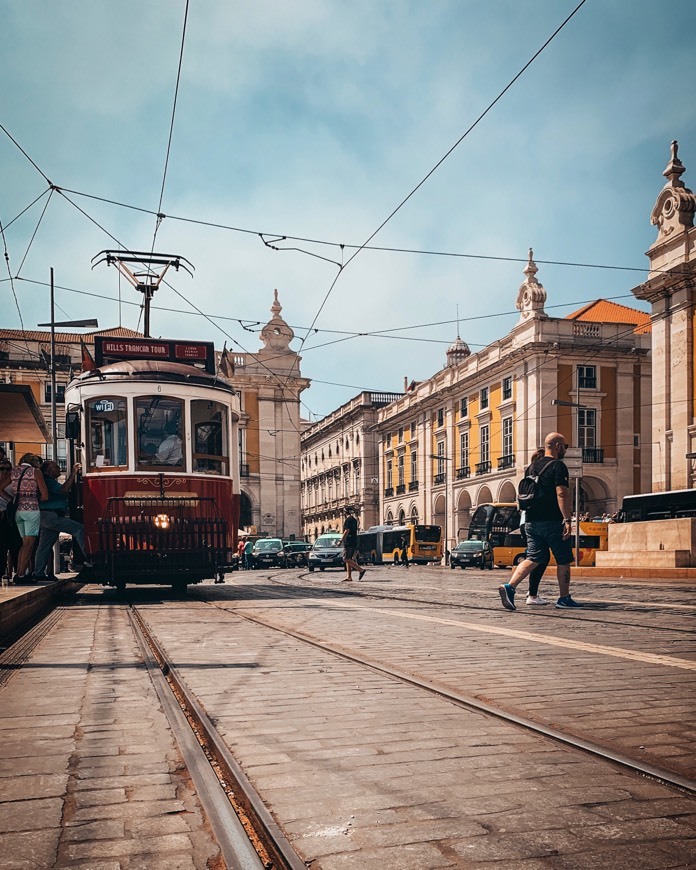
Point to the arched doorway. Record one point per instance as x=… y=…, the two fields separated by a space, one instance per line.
x=463 y=515
x=508 y=493
x=484 y=496
x=402 y=517
x=245 y=512
x=414 y=515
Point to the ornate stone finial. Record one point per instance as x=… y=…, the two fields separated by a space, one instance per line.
x=531 y=295
x=276 y=334
x=676 y=204
x=675 y=168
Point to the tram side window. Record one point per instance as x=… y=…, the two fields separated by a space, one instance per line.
x=210 y=437
x=159 y=422
x=108 y=428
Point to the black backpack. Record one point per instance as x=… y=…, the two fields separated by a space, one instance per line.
x=528 y=489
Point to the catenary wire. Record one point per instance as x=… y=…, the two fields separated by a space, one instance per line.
x=171 y=127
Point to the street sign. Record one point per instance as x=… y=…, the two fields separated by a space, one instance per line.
x=573 y=460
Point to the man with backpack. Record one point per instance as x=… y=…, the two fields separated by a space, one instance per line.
x=543 y=495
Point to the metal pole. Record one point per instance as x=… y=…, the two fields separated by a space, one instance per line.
x=577 y=479
x=54 y=433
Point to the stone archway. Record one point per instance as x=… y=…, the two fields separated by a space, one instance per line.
x=414 y=515
x=595 y=497
x=402 y=516
x=484 y=496
x=463 y=515
x=389 y=519
x=246 y=514
x=507 y=492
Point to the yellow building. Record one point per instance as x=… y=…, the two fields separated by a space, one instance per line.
x=464 y=436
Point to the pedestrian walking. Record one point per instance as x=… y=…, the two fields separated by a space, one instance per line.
x=350 y=546
x=404 y=550
x=248 y=554
x=29 y=488
x=548 y=525
x=533 y=597
x=55 y=518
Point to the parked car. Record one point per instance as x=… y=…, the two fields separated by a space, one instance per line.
x=294 y=554
x=472 y=554
x=266 y=552
x=326 y=552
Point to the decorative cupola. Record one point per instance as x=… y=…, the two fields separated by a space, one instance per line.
x=457 y=352
x=675 y=206
x=531 y=295
x=276 y=334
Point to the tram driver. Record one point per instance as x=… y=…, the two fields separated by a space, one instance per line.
x=170 y=451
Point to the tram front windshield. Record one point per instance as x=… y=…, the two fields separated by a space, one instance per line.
x=159 y=422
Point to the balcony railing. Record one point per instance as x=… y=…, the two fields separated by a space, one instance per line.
x=593 y=454
x=506 y=461
x=413 y=486
x=483 y=467
x=463 y=472
x=401 y=489
x=439 y=478
x=389 y=492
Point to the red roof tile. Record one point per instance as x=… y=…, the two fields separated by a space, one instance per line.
x=603 y=311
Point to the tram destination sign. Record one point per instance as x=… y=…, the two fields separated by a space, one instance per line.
x=197 y=353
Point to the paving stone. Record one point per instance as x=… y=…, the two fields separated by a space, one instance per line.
x=29 y=850
x=143 y=847
x=30 y=815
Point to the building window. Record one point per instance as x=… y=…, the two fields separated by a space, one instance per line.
x=464 y=407
x=507 y=388
x=440 y=417
x=401 y=471
x=60 y=393
x=390 y=468
x=464 y=450
x=440 y=457
x=507 y=436
x=401 y=434
x=414 y=466
x=587 y=427
x=587 y=377
x=484 y=398
x=485 y=443
x=413 y=430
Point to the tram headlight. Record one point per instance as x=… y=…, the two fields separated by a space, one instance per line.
x=161 y=521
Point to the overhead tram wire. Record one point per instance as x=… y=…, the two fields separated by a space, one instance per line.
x=26 y=208
x=33 y=236
x=160 y=216
x=442 y=160
x=348 y=245
x=249 y=326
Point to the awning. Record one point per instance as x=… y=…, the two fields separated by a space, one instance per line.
x=20 y=416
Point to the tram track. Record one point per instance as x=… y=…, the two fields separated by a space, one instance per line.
x=536 y=613
x=248 y=835
x=566 y=738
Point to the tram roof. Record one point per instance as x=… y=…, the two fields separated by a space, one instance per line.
x=155 y=370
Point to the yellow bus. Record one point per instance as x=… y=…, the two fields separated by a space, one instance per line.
x=380 y=544
x=593 y=537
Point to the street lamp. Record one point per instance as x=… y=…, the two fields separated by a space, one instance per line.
x=577 y=406
x=441 y=457
x=90 y=324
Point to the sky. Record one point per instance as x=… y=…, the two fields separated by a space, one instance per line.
x=315 y=119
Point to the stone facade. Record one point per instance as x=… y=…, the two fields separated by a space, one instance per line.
x=464 y=436
x=270 y=385
x=340 y=465
x=671 y=290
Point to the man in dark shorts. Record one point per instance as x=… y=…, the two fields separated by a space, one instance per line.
x=350 y=545
x=547 y=524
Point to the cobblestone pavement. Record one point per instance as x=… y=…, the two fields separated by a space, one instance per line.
x=364 y=771
x=90 y=776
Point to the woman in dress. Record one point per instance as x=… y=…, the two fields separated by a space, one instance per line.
x=29 y=488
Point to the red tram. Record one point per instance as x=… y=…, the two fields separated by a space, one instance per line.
x=156 y=431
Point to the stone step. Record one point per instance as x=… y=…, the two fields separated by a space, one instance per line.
x=643 y=559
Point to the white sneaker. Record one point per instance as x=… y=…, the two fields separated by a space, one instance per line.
x=536 y=599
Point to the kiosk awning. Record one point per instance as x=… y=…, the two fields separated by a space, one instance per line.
x=20 y=416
